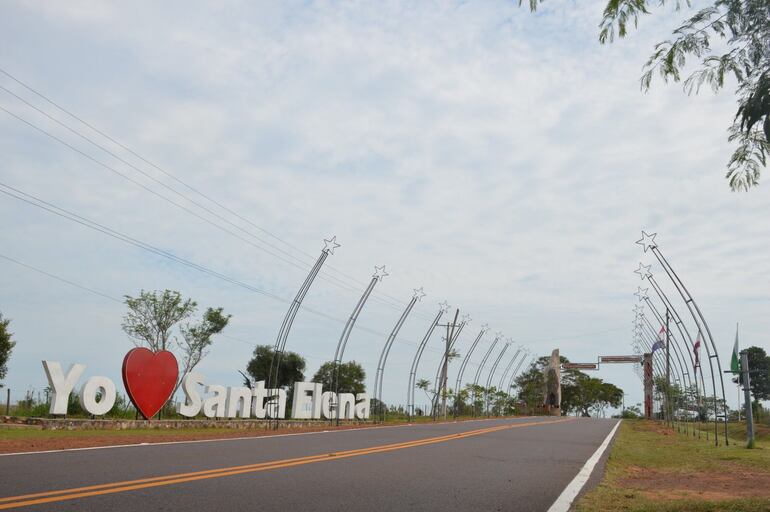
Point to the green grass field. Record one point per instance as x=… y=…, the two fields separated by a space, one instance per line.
x=652 y=468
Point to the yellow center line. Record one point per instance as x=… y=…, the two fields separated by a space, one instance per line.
x=143 y=483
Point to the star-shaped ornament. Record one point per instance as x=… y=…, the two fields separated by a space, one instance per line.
x=643 y=271
x=466 y=318
x=641 y=293
x=444 y=306
x=418 y=293
x=330 y=244
x=647 y=241
x=498 y=335
x=379 y=272
x=485 y=327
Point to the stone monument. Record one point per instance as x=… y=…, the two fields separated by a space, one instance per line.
x=552 y=379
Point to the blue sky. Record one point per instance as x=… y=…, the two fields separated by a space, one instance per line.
x=504 y=161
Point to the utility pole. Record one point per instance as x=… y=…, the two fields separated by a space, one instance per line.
x=746 y=380
x=450 y=330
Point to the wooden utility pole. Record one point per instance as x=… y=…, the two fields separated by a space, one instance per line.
x=450 y=331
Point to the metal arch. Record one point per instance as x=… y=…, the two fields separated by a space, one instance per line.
x=680 y=325
x=464 y=364
x=416 y=362
x=516 y=370
x=683 y=362
x=508 y=369
x=386 y=351
x=481 y=367
x=677 y=356
x=288 y=320
x=491 y=374
x=677 y=366
x=342 y=343
x=700 y=322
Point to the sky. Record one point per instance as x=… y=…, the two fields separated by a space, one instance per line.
x=504 y=161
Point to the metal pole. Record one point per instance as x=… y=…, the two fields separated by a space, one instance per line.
x=668 y=376
x=491 y=374
x=379 y=273
x=464 y=364
x=418 y=295
x=8 y=402
x=747 y=398
x=416 y=361
x=273 y=378
x=481 y=367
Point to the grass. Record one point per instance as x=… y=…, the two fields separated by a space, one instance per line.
x=652 y=468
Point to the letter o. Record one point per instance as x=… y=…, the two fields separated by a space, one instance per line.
x=88 y=395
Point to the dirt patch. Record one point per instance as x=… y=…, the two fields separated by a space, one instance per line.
x=733 y=482
x=64 y=440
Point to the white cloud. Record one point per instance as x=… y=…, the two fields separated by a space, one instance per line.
x=503 y=160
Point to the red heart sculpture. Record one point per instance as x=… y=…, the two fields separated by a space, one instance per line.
x=149 y=378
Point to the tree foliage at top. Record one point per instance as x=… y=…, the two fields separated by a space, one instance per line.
x=759 y=365
x=351 y=377
x=153 y=316
x=6 y=345
x=291 y=369
x=579 y=392
x=727 y=38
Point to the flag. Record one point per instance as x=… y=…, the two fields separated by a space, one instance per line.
x=735 y=363
x=696 y=350
x=661 y=343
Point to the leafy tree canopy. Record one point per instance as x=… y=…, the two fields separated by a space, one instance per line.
x=351 y=377
x=759 y=365
x=728 y=39
x=153 y=317
x=6 y=345
x=291 y=370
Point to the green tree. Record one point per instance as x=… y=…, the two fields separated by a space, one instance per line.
x=6 y=346
x=759 y=365
x=728 y=38
x=351 y=377
x=424 y=384
x=153 y=316
x=291 y=370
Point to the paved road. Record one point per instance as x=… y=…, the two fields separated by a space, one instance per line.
x=518 y=464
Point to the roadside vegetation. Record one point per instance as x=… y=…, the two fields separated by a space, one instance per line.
x=653 y=468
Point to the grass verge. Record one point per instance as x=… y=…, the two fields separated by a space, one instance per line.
x=654 y=468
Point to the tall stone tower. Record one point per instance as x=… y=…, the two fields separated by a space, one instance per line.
x=552 y=379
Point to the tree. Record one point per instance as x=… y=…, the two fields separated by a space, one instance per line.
x=291 y=370
x=153 y=316
x=6 y=346
x=424 y=384
x=759 y=365
x=351 y=377
x=579 y=392
x=742 y=27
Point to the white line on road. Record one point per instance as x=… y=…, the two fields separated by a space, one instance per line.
x=568 y=495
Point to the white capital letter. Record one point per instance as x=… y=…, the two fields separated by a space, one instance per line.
x=61 y=386
x=192 y=400
x=88 y=395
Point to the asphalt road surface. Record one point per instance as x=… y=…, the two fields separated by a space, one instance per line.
x=520 y=464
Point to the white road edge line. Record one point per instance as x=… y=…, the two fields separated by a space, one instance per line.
x=568 y=495
x=139 y=445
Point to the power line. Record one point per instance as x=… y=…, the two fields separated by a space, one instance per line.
x=175 y=178
x=83 y=221
x=174 y=203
